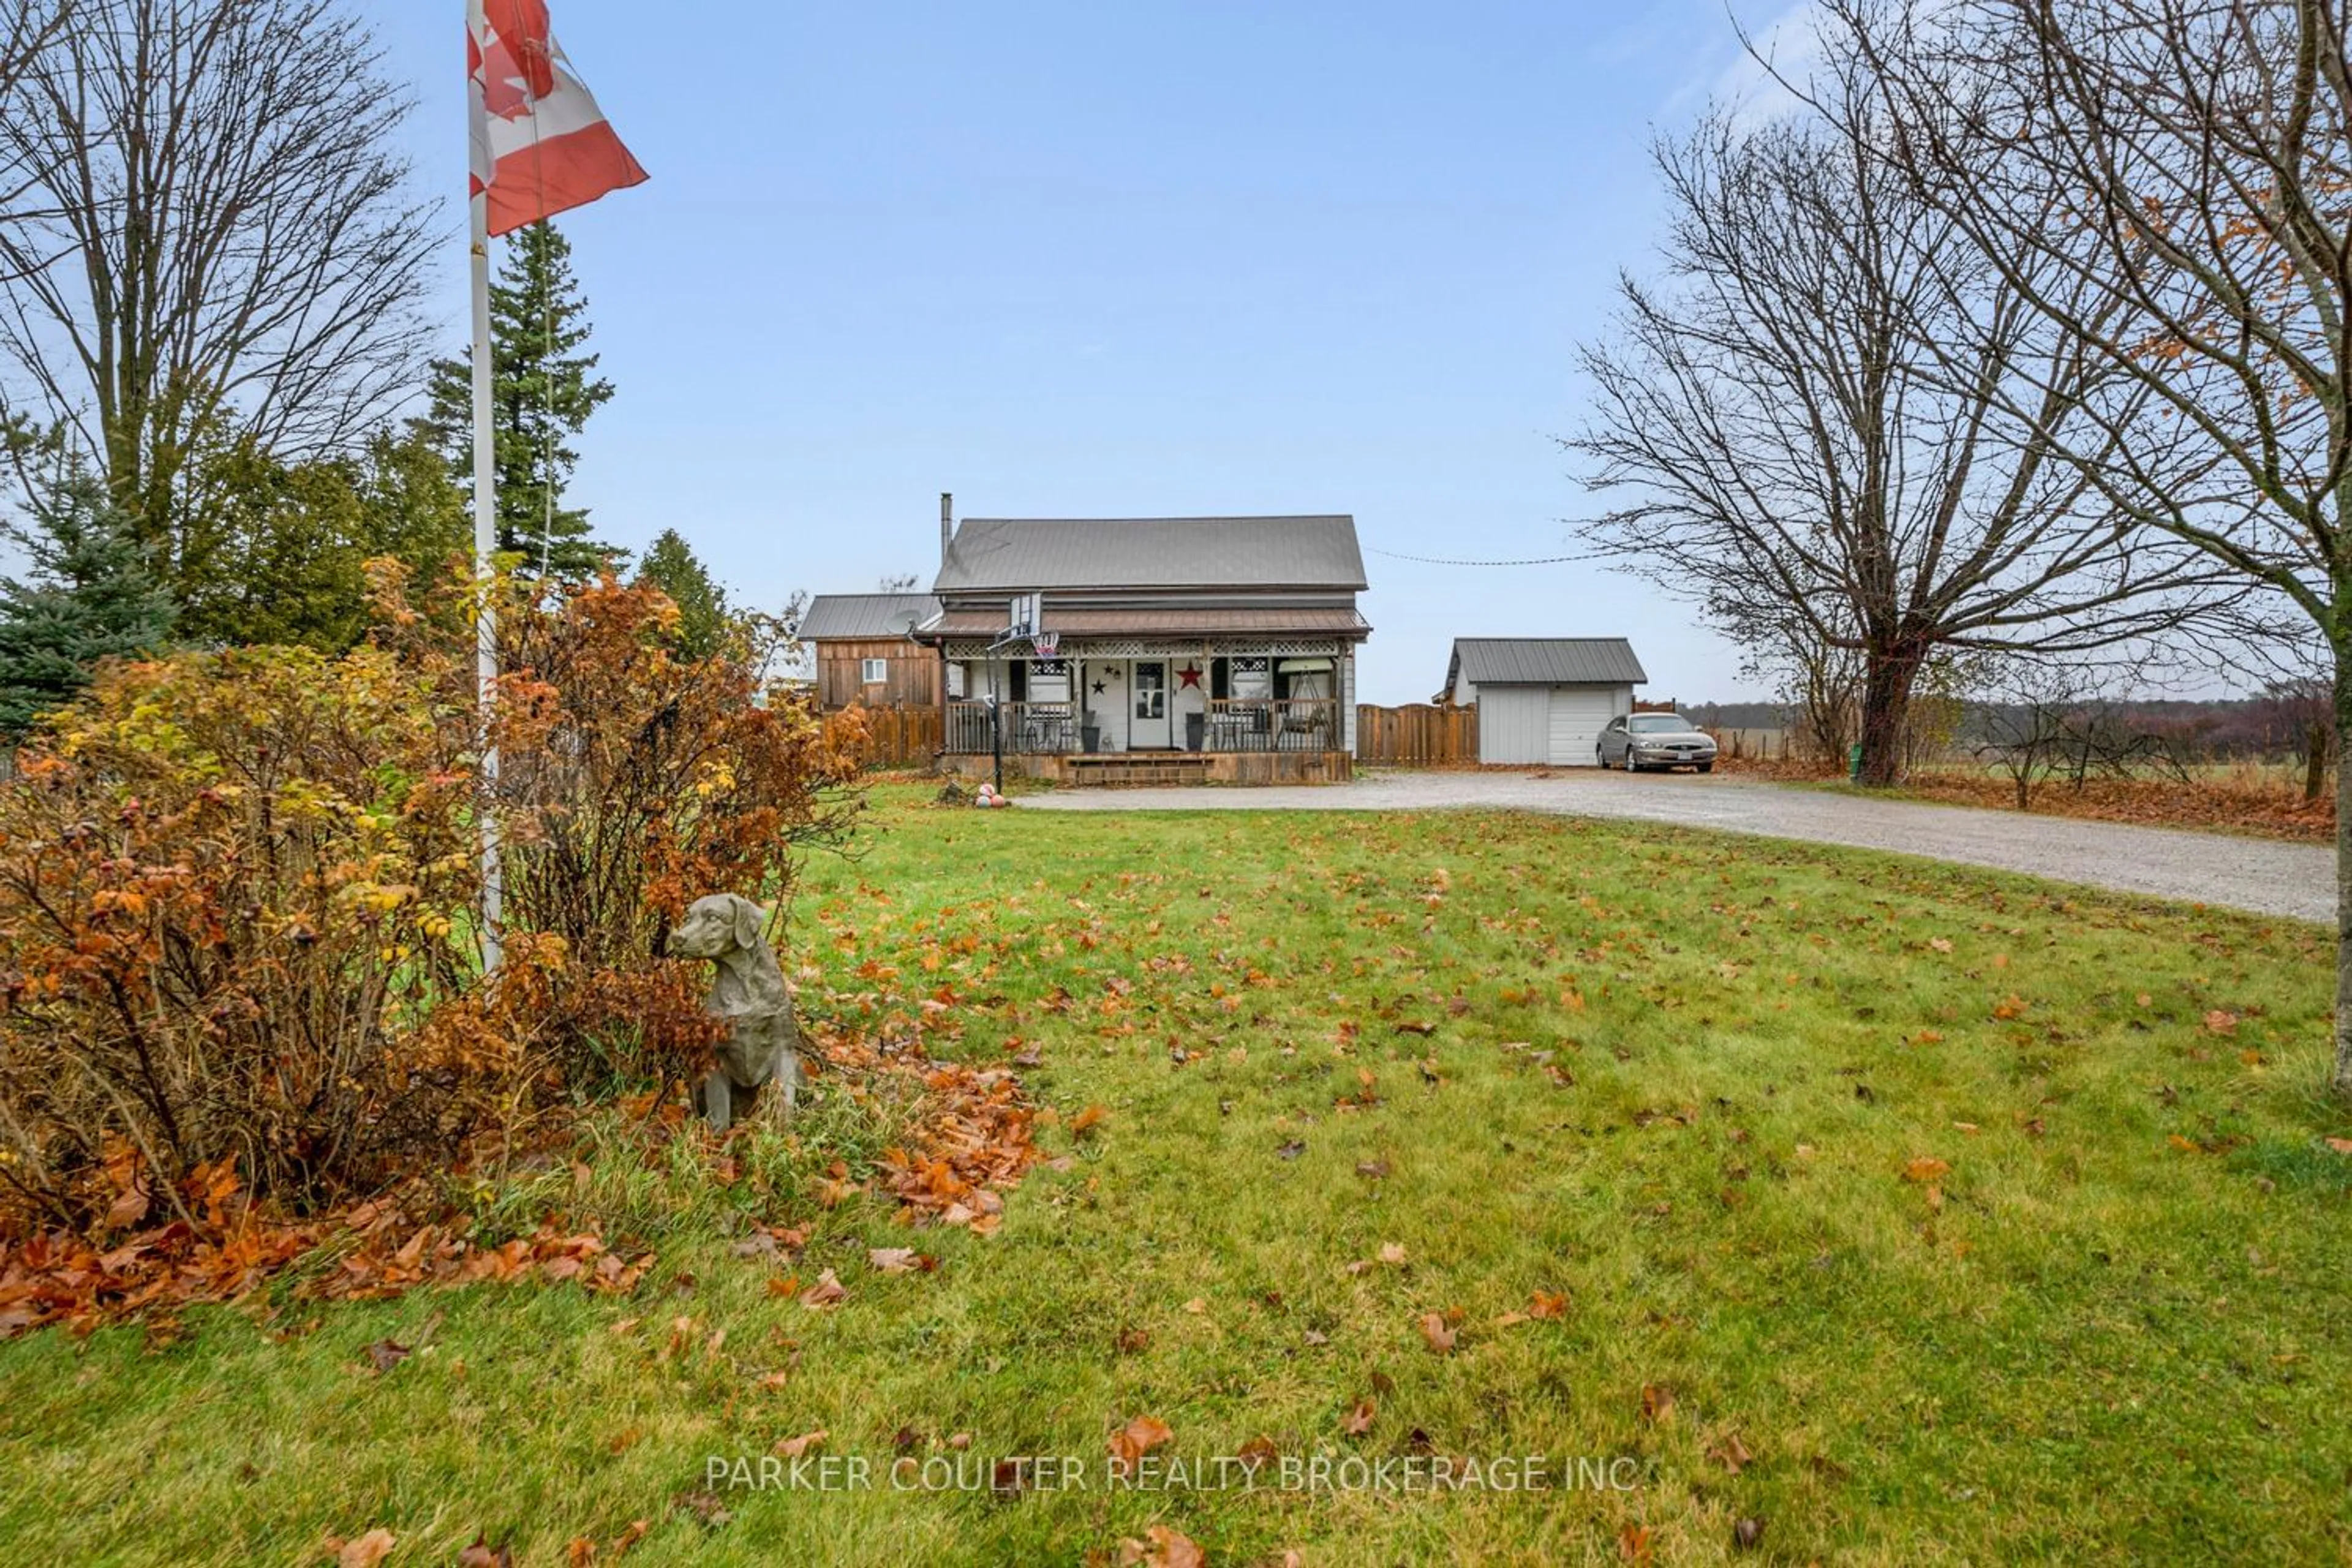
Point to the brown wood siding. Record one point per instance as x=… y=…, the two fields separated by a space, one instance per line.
x=914 y=680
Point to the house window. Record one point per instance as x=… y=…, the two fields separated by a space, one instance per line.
x=873 y=671
x=1049 y=680
x=1151 y=691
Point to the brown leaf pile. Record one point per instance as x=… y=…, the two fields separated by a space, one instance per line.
x=971 y=1139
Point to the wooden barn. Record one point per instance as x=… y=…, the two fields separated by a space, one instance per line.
x=865 y=652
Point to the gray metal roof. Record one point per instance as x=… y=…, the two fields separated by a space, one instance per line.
x=1014 y=554
x=863 y=615
x=1546 y=661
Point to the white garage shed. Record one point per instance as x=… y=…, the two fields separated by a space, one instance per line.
x=1543 y=699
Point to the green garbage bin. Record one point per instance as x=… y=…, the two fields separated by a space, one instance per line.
x=1854 y=764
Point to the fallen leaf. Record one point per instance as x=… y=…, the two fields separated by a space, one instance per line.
x=1087 y=1120
x=1166 y=1548
x=1657 y=1403
x=1747 y=1534
x=366 y=1550
x=1633 y=1543
x=827 y=1291
x=1197 y=1305
x=481 y=1555
x=387 y=1354
x=1372 y=1170
x=2341 y=1145
x=1292 y=1150
x=1940 y=944
x=2220 y=1022
x=1258 y=1452
x=1545 y=1304
x=630 y=1536
x=2010 y=1006
x=1359 y=1419
x=1732 y=1454
x=1512 y=1319
x=1136 y=1438
x=897 y=1259
x=1391 y=1252
x=1926 y=1168
x=793 y=1447
x=1433 y=1329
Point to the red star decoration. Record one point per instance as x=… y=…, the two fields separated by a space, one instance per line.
x=1191 y=676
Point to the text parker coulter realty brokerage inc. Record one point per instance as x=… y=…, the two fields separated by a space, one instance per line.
x=1072 y=1472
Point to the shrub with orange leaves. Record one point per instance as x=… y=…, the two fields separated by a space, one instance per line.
x=230 y=884
x=237 y=893
x=633 y=780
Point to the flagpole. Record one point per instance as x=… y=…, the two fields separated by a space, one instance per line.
x=486 y=541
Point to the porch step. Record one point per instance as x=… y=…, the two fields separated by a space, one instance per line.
x=1138 y=768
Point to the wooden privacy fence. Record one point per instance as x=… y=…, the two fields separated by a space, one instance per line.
x=900 y=737
x=1417 y=734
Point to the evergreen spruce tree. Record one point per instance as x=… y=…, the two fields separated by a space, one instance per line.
x=542 y=389
x=670 y=565
x=91 y=596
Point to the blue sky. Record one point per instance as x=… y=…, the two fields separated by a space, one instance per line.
x=1141 y=258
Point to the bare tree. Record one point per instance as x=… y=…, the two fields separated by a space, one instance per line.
x=204 y=225
x=26 y=29
x=2173 y=186
x=1832 y=416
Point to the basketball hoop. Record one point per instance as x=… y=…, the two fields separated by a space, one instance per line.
x=1047 y=644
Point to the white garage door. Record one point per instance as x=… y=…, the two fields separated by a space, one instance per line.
x=1579 y=713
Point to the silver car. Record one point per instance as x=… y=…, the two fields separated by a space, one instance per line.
x=1639 y=740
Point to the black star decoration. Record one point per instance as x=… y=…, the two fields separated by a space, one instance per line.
x=1098 y=688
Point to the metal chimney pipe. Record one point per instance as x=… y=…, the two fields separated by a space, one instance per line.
x=946 y=526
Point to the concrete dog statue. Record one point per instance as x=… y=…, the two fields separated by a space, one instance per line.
x=748 y=989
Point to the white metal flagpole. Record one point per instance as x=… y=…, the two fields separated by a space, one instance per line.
x=486 y=527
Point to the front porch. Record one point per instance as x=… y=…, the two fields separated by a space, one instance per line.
x=1226 y=740
x=1122 y=712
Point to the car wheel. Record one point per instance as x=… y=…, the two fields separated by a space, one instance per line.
x=1707 y=767
x=1601 y=759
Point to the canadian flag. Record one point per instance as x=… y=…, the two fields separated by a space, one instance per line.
x=540 y=144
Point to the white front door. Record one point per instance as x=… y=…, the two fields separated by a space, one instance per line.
x=1148 y=706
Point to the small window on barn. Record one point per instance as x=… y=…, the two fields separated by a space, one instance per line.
x=873 y=671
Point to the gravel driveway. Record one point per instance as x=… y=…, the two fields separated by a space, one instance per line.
x=2256 y=874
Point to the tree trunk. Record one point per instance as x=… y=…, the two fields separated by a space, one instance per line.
x=2341 y=1080
x=2315 y=739
x=1885 y=703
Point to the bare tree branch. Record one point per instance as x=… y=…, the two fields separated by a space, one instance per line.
x=203 y=229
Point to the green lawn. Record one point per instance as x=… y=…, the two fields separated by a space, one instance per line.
x=1696 y=1085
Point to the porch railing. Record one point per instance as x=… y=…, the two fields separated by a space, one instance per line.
x=1235 y=724
x=1272 y=724
x=1031 y=729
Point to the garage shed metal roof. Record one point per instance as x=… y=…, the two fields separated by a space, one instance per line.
x=1546 y=661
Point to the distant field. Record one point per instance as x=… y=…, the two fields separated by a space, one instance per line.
x=1904 y=1212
